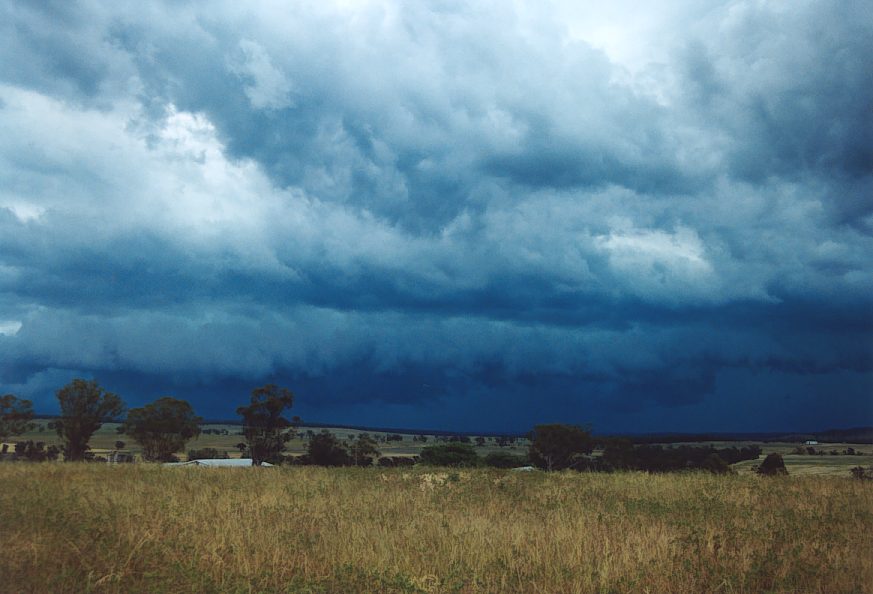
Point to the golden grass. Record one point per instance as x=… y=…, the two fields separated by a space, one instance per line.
x=143 y=528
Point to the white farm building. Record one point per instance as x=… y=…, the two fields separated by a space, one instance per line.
x=218 y=463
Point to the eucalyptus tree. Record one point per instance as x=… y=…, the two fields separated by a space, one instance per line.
x=85 y=406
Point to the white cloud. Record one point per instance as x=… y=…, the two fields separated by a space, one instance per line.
x=269 y=87
x=455 y=185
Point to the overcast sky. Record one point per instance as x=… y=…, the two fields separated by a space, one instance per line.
x=460 y=215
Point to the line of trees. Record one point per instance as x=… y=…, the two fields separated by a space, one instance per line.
x=162 y=427
x=165 y=426
x=562 y=447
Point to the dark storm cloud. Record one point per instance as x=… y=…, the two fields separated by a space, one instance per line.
x=439 y=209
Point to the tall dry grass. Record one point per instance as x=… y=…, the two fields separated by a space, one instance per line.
x=94 y=528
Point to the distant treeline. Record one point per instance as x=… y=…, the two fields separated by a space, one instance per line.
x=623 y=455
x=852 y=435
x=392 y=430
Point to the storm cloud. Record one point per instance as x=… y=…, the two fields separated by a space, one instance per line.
x=471 y=216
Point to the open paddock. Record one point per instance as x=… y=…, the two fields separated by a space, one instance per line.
x=145 y=528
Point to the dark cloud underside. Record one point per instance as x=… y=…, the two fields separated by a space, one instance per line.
x=427 y=213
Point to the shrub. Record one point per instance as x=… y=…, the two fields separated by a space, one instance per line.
x=450 y=454
x=29 y=451
x=207 y=454
x=716 y=465
x=860 y=473
x=393 y=461
x=621 y=453
x=504 y=460
x=773 y=465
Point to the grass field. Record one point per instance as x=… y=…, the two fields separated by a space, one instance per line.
x=144 y=528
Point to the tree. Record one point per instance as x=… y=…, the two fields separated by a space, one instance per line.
x=363 y=450
x=619 y=453
x=480 y=441
x=555 y=447
x=15 y=416
x=84 y=408
x=265 y=429
x=119 y=445
x=324 y=449
x=162 y=428
x=773 y=465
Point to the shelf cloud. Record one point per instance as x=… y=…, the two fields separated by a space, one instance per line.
x=440 y=214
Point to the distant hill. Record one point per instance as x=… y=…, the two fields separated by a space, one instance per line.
x=852 y=435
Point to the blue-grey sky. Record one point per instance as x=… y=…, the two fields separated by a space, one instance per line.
x=461 y=215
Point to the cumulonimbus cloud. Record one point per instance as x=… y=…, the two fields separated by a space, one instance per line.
x=469 y=198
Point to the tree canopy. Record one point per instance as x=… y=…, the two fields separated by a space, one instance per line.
x=265 y=429
x=450 y=454
x=15 y=416
x=84 y=407
x=556 y=447
x=773 y=465
x=324 y=449
x=162 y=428
x=362 y=450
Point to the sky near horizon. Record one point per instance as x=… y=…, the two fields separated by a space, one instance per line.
x=444 y=214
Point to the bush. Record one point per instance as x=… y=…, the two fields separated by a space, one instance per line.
x=394 y=461
x=504 y=460
x=773 y=465
x=29 y=451
x=207 y=454
x=716 y=465
x=860 y=473
x=450 y=454
x=621 y=453
x=592 y=464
